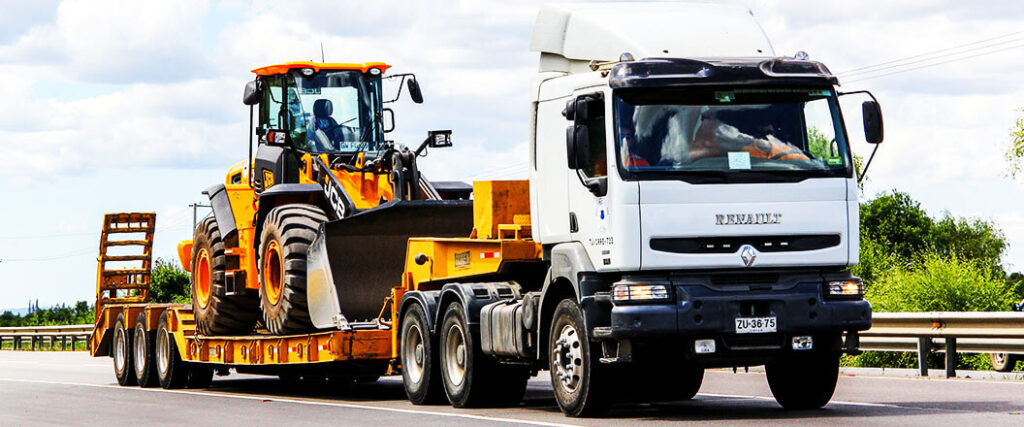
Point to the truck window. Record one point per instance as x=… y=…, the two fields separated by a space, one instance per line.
x=598 y=165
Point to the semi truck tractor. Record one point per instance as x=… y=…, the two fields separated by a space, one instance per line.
x=691 y=204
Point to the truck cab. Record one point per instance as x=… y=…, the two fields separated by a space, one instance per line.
x=696 y=191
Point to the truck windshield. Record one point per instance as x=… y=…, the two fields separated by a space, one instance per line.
x=731 y=135
x=334 y=111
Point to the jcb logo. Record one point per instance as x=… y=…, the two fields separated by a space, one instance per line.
x=334 y=198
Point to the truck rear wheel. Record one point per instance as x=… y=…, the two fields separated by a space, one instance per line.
x=471 y=378
x=170 y=369
x=287 y=233
x=421 y=373
x=580 y=381
x=804 y=381
x=145 y=373
x=217 y=313
x=124 y=369
x=1004 y=362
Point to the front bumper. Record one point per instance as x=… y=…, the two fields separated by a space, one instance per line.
x=703 y=310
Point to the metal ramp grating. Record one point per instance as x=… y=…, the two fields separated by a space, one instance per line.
x=125 y=258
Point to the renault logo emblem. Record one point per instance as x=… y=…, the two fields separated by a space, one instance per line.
x=748 y=254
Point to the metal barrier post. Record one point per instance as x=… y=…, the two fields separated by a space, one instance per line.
x=950 y=357
x=74 y=342
x=924 y=346
x=17 y=343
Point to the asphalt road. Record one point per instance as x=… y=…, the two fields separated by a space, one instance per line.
x=74 y=389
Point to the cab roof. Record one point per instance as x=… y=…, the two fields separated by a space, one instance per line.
x=271 y=70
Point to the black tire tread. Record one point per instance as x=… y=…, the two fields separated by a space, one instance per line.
x=294 y=226
x=225 y=314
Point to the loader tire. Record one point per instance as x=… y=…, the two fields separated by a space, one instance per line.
x=287 y=233
x=217 y=313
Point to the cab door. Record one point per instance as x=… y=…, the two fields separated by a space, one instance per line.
x=587 y=142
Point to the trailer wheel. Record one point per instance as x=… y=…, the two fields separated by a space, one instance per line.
x=581 y=383
x=421 y=372
x=143 y=357
x=805 y=381
x=170 y=369
x=216 y=312
x=287 y=233
x=1004 y=362
x=124 y=369
x=199 y=375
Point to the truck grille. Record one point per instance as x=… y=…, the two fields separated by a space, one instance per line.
x=732 y=244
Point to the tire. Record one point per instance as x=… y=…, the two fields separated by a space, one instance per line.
x=145 y=372
x=471 y=378
x=171 y=370
x=216 y=312
x=199 y=375
x=805 y=381
x=581 y=383
x=1004 y=362
x=287 y=233
x=124 y=368
x=421 y=372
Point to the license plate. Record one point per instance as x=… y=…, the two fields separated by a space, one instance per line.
x=755 y=325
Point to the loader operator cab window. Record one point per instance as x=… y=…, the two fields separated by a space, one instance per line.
x=332 y=111
x=709 y=135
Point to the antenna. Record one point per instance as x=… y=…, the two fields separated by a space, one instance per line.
x=322 y=52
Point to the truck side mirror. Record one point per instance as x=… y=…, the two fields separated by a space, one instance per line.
x=873 y=128
x=414 y=90
x=581 y=140
x=251 y=95
x=570 y=146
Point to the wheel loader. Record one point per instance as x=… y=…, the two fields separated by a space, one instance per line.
x=322 y=158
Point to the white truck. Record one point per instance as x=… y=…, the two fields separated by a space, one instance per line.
x=695 y=198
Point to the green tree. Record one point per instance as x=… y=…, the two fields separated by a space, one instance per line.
x=170 y=283
x=897 y=223
x=972 y=239
x=1015 y=154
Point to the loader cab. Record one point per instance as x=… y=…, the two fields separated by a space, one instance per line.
x=302 y=107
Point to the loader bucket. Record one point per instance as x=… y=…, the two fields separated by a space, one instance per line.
x=354 y=262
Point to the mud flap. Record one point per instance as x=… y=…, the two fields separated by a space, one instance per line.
x=354 y=262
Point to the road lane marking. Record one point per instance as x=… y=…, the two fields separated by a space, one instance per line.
x=302 y=402
x=831 y=402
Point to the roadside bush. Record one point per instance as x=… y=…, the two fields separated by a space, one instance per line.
x=170 y=283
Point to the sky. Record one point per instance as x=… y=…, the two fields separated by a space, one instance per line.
x=117 y=106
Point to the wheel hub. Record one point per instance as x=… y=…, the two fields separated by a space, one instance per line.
x=567 y=359
x=412 y=353
x=272 y=272
x=203 y=273
x=455 y=354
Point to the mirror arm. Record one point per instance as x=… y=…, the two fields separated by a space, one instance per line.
x=863 y=173
x=400 y=84
x=867 y=92
x=251 y=131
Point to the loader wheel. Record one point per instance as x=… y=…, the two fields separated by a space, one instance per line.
x=170 y=369
x=582 y=384
x=123 y=368
x=145 y=372
x=217 y=313
x=287 y=233
x=421 y=372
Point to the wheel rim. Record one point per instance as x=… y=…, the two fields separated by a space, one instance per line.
x=272 y=272
x=999 y=358
x=120 y=352
x=140 y=351
x=455 y=354
x=413 y=358
x=203 y=277
x=163 y=352
x=567 y=359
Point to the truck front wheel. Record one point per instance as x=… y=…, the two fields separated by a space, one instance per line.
x=804 y=381
x=580 y=381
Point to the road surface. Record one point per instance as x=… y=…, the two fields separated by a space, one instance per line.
x=71 y=388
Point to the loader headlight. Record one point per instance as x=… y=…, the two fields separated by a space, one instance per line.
x=640 y=293
x=853 y=288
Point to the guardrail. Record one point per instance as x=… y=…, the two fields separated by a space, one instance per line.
x=949 y=332
x=37 y=336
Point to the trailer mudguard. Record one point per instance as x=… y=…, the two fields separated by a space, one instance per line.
x=222 y=212
x=473 y=297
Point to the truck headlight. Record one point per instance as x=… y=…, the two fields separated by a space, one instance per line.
x=853 y=288
x=639 y=293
